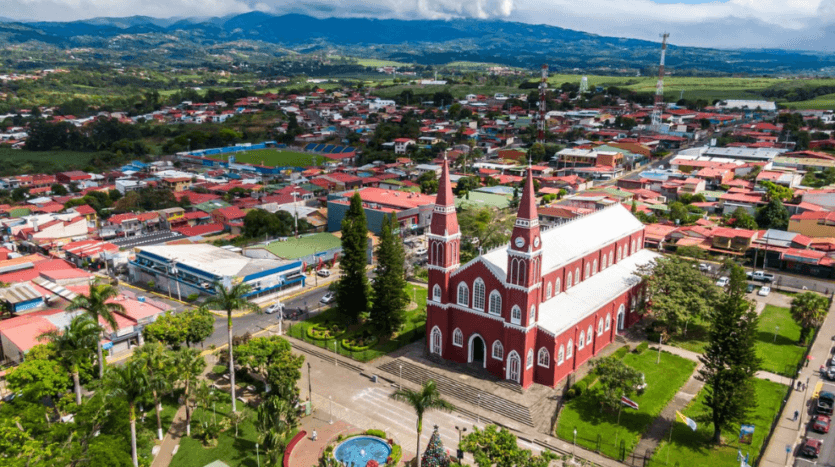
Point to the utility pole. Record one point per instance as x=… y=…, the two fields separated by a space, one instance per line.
x=659 y=87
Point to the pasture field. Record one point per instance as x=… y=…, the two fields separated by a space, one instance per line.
x=17 y=161
x=274 y=158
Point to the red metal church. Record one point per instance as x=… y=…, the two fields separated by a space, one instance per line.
x=533 y=311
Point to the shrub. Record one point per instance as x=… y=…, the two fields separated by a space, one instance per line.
x=151 y=284
x=360 y=342
x=621 y=352
x=580 y=387
x=219 y=369
x=377 y=433
x=396 y=454
x=324 y=331
x=192 y=297
x=641 y=347
x=571 y=394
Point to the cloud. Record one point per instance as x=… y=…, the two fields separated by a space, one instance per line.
x=800 y=24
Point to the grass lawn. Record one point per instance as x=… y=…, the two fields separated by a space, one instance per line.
x=306 y=245
x=663 y=381
x=783 y=355
x=275 y=158
x=779 y=356
x=413 y=329
x=689 y=448
x=16 y=161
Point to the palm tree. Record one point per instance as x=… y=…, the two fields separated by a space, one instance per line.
x=96 y=304
x=190 y=365
x=276 y=418
x=231 y=299
x=808 y=310
x=130 y=383
x=156 y=361
x=427 y=398
x=75 y=345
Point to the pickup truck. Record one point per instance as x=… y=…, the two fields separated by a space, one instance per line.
x=760 y=276
x=826 y=400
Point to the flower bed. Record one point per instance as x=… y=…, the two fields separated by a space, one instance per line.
x=360 y=342
x=325 y=331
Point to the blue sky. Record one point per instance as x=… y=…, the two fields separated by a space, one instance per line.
x=793 y=24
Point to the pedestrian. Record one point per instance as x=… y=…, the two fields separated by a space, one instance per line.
x=796 y=414
x=313 y=437
x=798 y=385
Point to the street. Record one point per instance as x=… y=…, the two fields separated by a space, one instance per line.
x=146 y=239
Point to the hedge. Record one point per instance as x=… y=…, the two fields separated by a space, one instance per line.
x=377 y=433
x=370 y=342
x=396 y=454
x=621 y=352
x=641 y=347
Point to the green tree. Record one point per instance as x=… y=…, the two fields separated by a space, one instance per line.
x=58 y=189
x=616 y=380
x=537 y=152
x=229 y=300
x=276 y=419
x=729 y=361
x=389 y=289
x=676 y=292
x=189 y=365
x=740 y=218
x=76 y=346
x=158 y=364
x=129 y=382
x=466 y=184
x=352 y=289
x=486 y=225
x=172 y=329
x=426 y=398
x=428 y=182
x=199 y=324
x=99 y=305
x=273 y=359
x=167 y=328
x=775 y=191
x=494 y=446
x=773 y=216
x=37 y=378
x=809 y=310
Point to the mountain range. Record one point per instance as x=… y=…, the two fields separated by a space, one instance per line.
x=260 y=37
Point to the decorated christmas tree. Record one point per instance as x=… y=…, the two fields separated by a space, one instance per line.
x=435 y=454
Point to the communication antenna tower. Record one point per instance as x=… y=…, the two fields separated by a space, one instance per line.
x=543 y=88
x=659 y=87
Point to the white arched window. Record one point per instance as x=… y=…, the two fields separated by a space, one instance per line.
x=436 y=293
x=516 y=315
x=632 y=304
x=435 y=343
x=588 y=270
x=600 y=327
x=620 y=254
x=577 y=276
x=544 y=358
x=495 y=303
x=594 y=266
x=498 y=350
x=581 y=341
x=463 y=294
x=478 y=294
x=568 y=281
x=561 y=355
x=603 y=263
x=608 y=321
x=557 y=286
x=640 y=242
x=569 y=349
x=532 y=317
x=457 y=338
x=611 y=259
x=549 y=291
x=529 y=360
x=634 y=246
x=589 y=335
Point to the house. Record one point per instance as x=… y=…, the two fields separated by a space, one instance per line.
x=535 y=311
x=813 y=223
x=176 y=184
x=74 y=176
x=401 y=145
x=737 y=240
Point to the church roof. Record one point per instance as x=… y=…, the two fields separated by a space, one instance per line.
x=444 y=197
x=527 y=206
x=570 y=307
x=574 y=239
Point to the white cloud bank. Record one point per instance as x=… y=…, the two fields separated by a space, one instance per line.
x=796 y=24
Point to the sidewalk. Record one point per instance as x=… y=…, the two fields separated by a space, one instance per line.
x=788 y=432
x=171 y=439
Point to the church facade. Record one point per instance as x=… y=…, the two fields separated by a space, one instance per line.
x=534 y=310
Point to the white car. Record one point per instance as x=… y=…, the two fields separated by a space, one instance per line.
x=421 y=251
x=273 y=308
x=323 y=273
x=764 y=291
x=723 y=281
x=328 y=298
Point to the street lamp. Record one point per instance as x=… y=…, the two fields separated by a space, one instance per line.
x=401 y=376
x=776 y=330
x=309 y=385
x=459 y=451
x=330 y=421
x=574 y=447
x=257 y=455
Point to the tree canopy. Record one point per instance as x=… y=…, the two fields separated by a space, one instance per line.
x=809 y=310
x=352 y=295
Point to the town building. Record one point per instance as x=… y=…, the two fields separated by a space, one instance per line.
x=537 y=309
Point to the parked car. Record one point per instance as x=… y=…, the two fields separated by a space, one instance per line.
x=273 y=308
x=328 y=298
x=750 y=288
x=723 y=281
x=826 y=400
x=764 y=291
x=704 y=267
x=421 y=251
x=323 y=273
x=820 y=423
x=811 y=448
x=830 y=373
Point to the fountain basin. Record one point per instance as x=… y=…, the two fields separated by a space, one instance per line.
x=361 y=449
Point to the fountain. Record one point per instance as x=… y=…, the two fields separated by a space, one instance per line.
x=361 y=449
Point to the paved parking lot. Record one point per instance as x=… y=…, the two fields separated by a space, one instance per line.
x=147 y=239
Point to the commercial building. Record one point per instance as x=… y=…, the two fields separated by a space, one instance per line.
x=413 y=210
x=182 y=270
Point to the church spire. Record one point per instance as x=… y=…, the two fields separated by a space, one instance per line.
x=444 y=221
x=527 y=207
x=444 y=197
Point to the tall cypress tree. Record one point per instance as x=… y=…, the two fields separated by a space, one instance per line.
x=390 y=298
x=730 y=360
x=352 y=288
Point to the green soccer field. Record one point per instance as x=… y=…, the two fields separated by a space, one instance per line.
x=275 y=158
x=298 y=247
